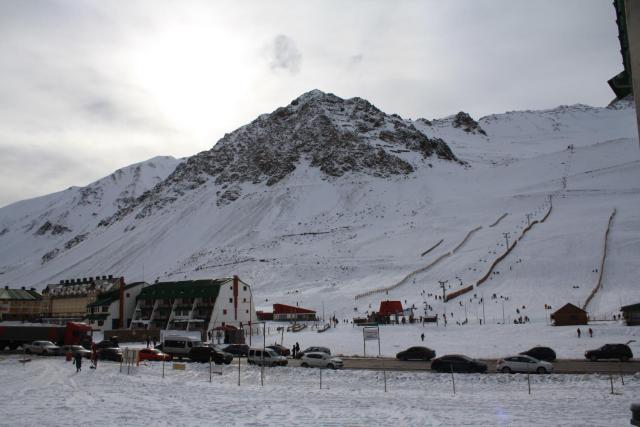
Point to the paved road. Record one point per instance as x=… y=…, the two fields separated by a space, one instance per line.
x=565 y=366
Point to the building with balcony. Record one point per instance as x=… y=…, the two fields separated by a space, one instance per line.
x=67 y=301
x=104 y=313
x=195 y=305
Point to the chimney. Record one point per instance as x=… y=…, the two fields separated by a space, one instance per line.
x=121 y=308
x=110 y=276
x=62 y=281
x=104 y=277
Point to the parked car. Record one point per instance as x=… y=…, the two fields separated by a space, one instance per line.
x=523 y=363
x=541 y=353
x=107 y=344
x=416 y=353
x=114 y=354
x=236 y=349
x=313 y=350
x=321 y=360
x=45 y=348
x=179 y=346
x=73 y=349
x=204 y=353
x=610 y=351
x=457 y=363
x=269 y=357
x=153 y=354
x=281 y=350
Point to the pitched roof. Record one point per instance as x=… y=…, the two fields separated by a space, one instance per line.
x=19 y=294
x=184 y=289
x=107 y=298
x=630 y=307
x=568 y=307
x=390 y=307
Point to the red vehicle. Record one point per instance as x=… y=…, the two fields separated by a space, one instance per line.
x=153 y=354
x=14 y=334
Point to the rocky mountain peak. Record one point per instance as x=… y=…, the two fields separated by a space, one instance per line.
x=335 y=135
x=465 y=122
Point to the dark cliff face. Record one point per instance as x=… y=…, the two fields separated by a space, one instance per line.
x=464 y=121
x=335 y=135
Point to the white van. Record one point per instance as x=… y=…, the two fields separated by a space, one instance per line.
x=178 y=346
x=271 y=358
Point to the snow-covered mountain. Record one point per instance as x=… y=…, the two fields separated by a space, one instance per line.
x=333 y=201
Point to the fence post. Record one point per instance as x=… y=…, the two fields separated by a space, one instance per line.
x=384 y=372
x=320 y=378
x=238 y=370
x=611 y=380
x=528 y=382
x=621 y=374
x=453 y=380
x=209 y=368
x=163 y=367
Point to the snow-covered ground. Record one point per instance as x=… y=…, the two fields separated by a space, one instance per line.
x=48 y=391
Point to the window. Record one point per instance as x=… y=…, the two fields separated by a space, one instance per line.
x=224 y=311
x=244 y=288
x=244 y=300
x=100 y=322
x=247 y=311
x=231 y=287
x=230 y=300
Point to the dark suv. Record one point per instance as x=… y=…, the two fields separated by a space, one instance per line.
x=610 y=351
x=236 y=349
x=416 y=353
x=541 y=353
x=202 y=354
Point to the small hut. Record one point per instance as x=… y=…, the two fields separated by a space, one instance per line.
x=569 y=314
x=631 y=314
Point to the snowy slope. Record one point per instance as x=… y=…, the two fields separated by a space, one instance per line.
x=326 y=199
x=36 y=231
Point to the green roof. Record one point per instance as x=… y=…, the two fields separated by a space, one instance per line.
x=19 y=294
x=106 y=298
x=183 y=289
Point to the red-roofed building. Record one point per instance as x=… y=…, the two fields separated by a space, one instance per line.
x=288 y=312
x=390 y=308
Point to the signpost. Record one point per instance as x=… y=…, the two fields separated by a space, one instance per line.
x=370 y=333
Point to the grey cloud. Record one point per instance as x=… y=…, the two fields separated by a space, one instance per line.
x=284 y=54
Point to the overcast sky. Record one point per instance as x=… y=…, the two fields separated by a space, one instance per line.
x=87 y=87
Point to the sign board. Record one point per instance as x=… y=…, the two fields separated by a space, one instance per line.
x=370 y=333
x=179 y=367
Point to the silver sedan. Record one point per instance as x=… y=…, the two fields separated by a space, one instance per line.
x=523 y=363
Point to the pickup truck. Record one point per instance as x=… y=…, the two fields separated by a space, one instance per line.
x=45 y=348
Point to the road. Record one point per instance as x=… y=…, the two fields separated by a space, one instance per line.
x=564 y=366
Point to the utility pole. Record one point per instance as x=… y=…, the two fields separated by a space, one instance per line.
x=442 y=283
x=506 y=236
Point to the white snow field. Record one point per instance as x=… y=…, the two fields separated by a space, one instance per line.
x=48 y=391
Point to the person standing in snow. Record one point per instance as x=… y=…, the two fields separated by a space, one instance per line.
x=578 y=332
x=78 y=361
x=590 y=333
x=422 y=337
